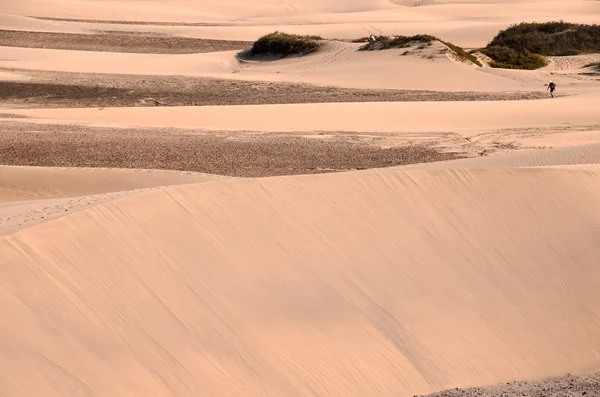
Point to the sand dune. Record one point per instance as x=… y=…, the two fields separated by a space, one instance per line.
x=378 y=283
x=33 y=195
x=339 y=64
x=467 y=23
x=458 y=117
x=18 y=215
x=35 y=183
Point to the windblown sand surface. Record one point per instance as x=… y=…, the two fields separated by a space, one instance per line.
x=332 y=278
x=24 y=183
x=164 y=232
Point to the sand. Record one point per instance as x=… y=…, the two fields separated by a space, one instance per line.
x=179 y=220
x=457 y=116
x=386 y=295
x=467 y=23
x=23 y=183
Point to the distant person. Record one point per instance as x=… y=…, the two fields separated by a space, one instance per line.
x=552 y=87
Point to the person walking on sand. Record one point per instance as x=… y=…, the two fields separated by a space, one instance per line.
x=551 y=87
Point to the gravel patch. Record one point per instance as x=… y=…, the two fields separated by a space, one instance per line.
x=50 y=89
x=141 y=23
x=240 y=154
x=111 y=41
x=565 y=386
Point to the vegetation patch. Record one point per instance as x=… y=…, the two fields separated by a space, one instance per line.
x=594 y=65
x=386 y=42
x=461 y=53
x=550 y=38
x=507 y=58
x=524 y=45
x=284 y=44
x=389 y=42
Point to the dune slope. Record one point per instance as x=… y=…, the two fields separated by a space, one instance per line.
x=36 y=183
x=373 y=283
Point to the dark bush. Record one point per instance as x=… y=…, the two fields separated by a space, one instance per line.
x=550 y=38
x=594 y=65
x=522 y=46
x=507 y=58
x=285 y=44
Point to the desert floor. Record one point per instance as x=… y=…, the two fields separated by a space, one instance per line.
x=177 y=219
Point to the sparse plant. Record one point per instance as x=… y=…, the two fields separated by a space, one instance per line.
x=423 y=41
x=461 y=53
x=389 y=42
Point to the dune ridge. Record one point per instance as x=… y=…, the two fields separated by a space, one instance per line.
x=34 y=195
x=18 y=183
x=396 y=301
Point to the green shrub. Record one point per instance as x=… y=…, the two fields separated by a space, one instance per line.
x=524 y=45
x=550 y=38
x=507 y=58
x=285 y=44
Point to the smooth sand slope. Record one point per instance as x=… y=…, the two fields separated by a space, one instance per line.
x=34 y=183
x=374 y=283
x=33 y=195
x=356 y=117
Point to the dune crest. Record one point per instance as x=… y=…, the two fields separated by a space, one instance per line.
x=382 y=283
x=38 y=183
